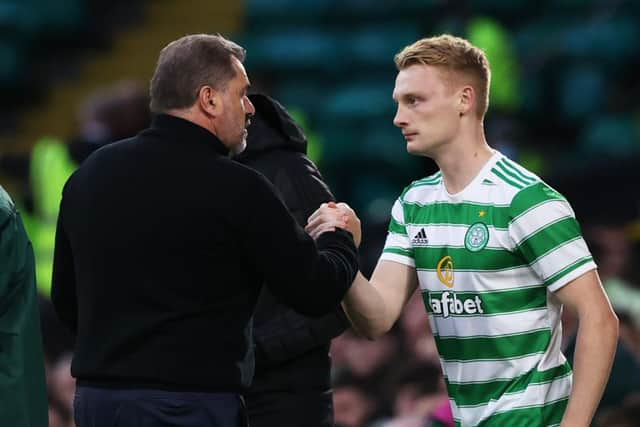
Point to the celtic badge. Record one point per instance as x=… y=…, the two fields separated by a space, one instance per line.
x=477 y=237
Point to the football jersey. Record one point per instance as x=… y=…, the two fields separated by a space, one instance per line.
x=488 y=261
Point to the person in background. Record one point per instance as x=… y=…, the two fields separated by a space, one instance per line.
x=419 y=396
x=291 y=386
x=23 y=390
x=163 y=243
x=354 y=401
x=109 y=114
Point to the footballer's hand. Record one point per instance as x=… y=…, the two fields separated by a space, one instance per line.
x=326 y=218
x=352 y=222
x=331 y=216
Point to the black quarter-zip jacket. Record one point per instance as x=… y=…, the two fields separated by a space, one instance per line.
x=162 y=245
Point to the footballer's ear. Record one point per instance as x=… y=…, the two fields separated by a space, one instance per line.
x=466 y=100
x=210 y=100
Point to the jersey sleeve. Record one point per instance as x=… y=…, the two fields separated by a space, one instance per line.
x=547 y=235
x=398 y=245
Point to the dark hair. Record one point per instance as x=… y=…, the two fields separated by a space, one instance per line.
x=187 y=64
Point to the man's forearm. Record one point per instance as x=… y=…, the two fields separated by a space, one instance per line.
x=365 y=308
x=595 y=349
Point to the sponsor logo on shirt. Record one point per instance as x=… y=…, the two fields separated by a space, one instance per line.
x=445 y=271
x=420 y=239
x=449 y=303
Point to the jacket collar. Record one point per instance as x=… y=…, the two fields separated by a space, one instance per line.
x=181 y=130
x=272 y=127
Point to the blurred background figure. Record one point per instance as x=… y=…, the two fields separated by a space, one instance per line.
x=111 y=113
x=292 y=384
x=23 y=398
x=355 y=404
x=625 y=414
x=418 y=396
x=564 y=104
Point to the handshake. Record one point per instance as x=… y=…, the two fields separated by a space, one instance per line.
x=330 y=216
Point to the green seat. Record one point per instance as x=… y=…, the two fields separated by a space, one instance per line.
x=582 y=90
x=611 y=135
x=279 y=12
x=360 y=100
x=614 y=41
x=377 y=45
x=12 y=60
x=290 y=50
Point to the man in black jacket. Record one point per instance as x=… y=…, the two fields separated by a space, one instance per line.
x=162 y=246
x=292 y=385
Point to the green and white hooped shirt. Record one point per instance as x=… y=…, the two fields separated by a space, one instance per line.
x=489 y=260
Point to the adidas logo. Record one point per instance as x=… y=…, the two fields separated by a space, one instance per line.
x=420 y=238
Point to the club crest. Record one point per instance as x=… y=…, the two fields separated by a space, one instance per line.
x=477 y=237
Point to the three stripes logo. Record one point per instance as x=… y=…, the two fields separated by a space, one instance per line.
x=420 y=238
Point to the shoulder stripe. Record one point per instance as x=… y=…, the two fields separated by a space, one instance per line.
x=513 y=175
x=519 y=170
x=507 y=180
x=432 y=179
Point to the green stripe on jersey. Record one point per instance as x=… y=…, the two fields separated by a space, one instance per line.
x=562 y=273
x=509 y=181
x=536 y=416
x=473 y=394
x=512 y=175
x=549 y=238
x=533 y=196
x=396 y=227
x=464 y=213
x=493 y=348
x=519 y=170
x=488 y=259
x=496 y=302
x=436 y=178
x=398 y=251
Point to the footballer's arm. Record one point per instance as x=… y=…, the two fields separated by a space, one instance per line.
x=595 y=346
x=373 y=306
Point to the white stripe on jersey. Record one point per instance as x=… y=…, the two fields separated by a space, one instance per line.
x=484 y=326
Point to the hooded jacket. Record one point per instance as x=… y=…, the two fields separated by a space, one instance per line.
x=291 y=349
x=23 y=390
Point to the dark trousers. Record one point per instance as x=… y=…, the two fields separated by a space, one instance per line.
x=105 y=407
x=290 y=409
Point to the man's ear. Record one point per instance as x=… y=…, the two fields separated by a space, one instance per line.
x=210 y=100
x=467 y=100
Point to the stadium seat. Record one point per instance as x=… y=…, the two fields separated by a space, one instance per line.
x=278 y=13
x=611 y=135
x=375 y=45
x=582 y=91
x=292 y=49
x=361 y=99
x=11 y=62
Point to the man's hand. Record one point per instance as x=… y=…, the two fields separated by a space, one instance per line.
x=331 y=215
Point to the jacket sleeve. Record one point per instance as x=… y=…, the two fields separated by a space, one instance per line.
x=63 y=284
x=309 y=276
x=280 y=332
x=8 y=282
